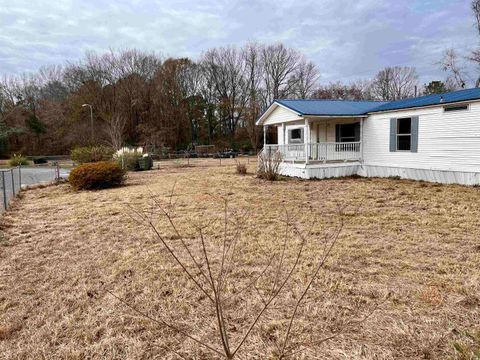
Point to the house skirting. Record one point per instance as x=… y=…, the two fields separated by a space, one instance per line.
x=319 y=171
x=431 y=175
x=325 y=171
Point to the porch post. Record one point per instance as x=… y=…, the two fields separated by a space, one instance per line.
x=306 y=139
x=283 y=134
x=361 y=140
x=264 y=136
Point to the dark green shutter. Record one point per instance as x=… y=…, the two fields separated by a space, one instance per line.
x=393 y=135
x=414 y=143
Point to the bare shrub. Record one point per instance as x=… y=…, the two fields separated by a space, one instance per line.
x=269 y=165
x=238 y=300
x=241 y=168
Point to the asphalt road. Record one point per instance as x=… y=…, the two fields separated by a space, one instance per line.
x=38 y=175
x=29 y=176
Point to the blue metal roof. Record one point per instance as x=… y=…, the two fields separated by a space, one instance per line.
x=436 y=99
x=357 y=108
x=330 y=107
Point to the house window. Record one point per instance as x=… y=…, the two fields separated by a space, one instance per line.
x=348 y=132
x=404 y=134
x=455 y=108
x=296 y=134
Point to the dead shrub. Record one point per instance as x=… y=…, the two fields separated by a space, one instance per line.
x=269 y=165
x=241 y=168
x=97 y=175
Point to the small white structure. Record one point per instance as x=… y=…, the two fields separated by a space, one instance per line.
x=433 y=138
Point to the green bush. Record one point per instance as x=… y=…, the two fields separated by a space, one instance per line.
x=90 y=154
x=129 y=161
x=17 y=160
x=98 y=175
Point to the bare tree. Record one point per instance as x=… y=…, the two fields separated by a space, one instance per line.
x=305 y=79
x=359 y=90
x=226 y=67
x=253 y=63
x=476 y=12
x=395 y=83
x=115 y=131
x=280 y=64
x=455 y=70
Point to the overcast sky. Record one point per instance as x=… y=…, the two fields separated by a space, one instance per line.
x=346 y=39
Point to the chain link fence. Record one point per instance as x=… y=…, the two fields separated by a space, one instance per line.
x=12 y=180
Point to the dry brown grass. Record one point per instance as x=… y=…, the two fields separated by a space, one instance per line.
x=60 y=250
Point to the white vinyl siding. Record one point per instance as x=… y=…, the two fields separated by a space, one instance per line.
x=446 y=140
x=280 y=115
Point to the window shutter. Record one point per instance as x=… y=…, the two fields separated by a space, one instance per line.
x=393 y=135
x=414 y=144
x=337 y=133
x=289 y=135
x=357 y=132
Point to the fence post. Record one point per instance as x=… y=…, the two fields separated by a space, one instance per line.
x=20 y=176
x=13 y=182
x=4 y=191
x=57 y=172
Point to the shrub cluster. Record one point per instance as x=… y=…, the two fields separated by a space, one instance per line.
x=129 y=161
x=97 y=175
x=17 y=160
x=90 y=154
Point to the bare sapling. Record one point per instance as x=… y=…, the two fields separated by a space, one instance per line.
x=239 y=298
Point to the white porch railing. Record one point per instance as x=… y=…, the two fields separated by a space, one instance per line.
x=326 y=151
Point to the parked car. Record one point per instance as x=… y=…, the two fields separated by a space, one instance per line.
x=226 y=154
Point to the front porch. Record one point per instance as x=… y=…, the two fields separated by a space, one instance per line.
x=317 y=153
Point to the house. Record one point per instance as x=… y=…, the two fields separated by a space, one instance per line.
x=433 y=138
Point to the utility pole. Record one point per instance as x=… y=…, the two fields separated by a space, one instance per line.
x=91 y=121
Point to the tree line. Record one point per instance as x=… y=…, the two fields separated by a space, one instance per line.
x=140 y=98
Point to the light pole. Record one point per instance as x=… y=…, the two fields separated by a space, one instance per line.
x=91 y=121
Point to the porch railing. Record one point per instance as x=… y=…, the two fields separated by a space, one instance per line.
x=326 y=151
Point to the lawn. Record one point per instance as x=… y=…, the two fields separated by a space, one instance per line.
x=402 y=282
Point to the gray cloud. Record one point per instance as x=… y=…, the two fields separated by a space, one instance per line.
x=348 y=40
